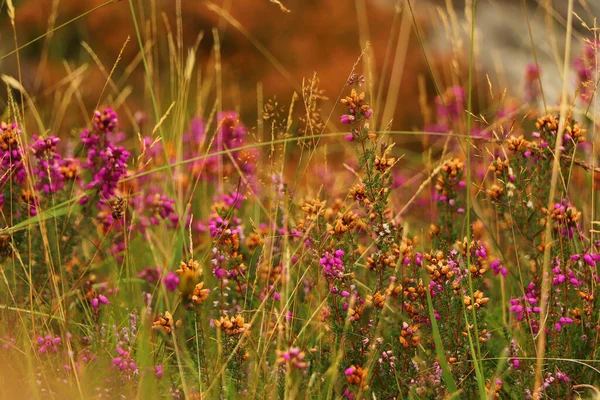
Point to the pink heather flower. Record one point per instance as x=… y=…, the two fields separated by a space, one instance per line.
x=171 y=281
x=48 y=344
x=561 y=376
x=558 y=327
x=159 y=373
x=332 y=264
x=106 y=161
x=589 y=260
x=419 y=259
x=497 y=267
x=347 y=119
x=11 y=154
x=124 y=361
x=197 y=133
x=48 y=169
x=349 y=371
x=155 y=207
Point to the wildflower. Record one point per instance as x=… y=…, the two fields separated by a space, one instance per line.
x=164 y=323
x=292 y=357
x=379 y=300
x=517 y=144
x=109 y=166
x=496 y=388
x=158 y=371
x=495 y=192
x=480 y=301
x=233 y=325
x=526 y=305
x=562 y=321
x=561 y=376
x=105 y=121
x=156 y=207
x=8 y=342
x=332 y=265
x=497 y=267
x=356 y=106
x=106 y=162
x=449 y=177
x=124 y=361
x=30 y=201
x=356 y=376
x=199 y=294
x=86 y=356
x=48 y=344
x=99 y=299
x=189 y=269
x=409 y=336
x=355 y=79
x=566 y=218
x=11 y=154
x=48 y=170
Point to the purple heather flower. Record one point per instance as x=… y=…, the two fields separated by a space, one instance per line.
x=419 y=259
x=332 y=265
x=106 y=161
x=100 y=299
x=497 y=267
x=561 y=376
x=589 y=260
x=105 y=121
x=124 y=361
x=171 y=281
x=347 y=119
x=197 y=132
x=158 y=372
x=48 y=169
x=11 y=154
x=48 y=344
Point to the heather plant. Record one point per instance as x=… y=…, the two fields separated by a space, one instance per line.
x=198 y=254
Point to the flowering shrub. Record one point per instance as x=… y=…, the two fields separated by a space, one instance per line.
x=195 y=264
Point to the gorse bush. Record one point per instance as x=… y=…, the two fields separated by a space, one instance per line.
x=196 y=265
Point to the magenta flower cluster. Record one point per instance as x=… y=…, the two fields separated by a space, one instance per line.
x=48 y=344
x=11 y=154
x=526 y=305
x=332 y=264
x=124 y=361
x=106 y=161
